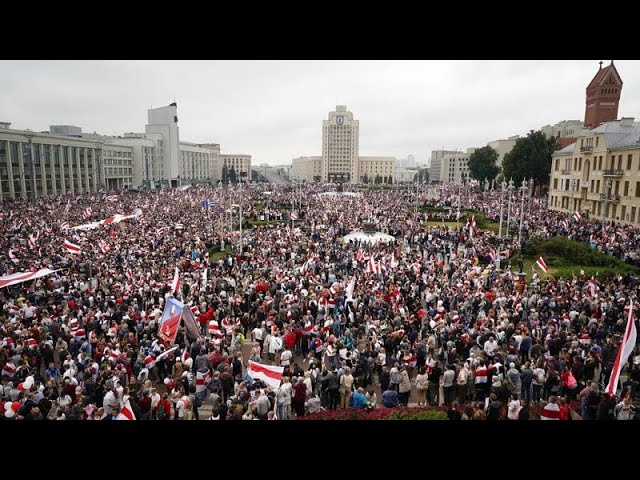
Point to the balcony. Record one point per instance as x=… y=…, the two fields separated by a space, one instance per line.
x=584 y=184
x=565 y=172
x=586 y=149
x=610 y=198
x=612 y=173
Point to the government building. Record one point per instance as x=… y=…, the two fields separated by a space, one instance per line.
x=340 y=161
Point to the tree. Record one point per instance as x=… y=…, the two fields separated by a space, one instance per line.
x=232 y=175
x=421 y=175
x=365 y=179
x=225 y=174
x=483 y=164
x=378 y=180
x=530 y=158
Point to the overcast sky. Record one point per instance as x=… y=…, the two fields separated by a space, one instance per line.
x=273 y=110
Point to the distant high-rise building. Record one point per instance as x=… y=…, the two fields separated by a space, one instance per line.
x=603 y=97
x=340 y=144
x=164 y=121
x=436 y=164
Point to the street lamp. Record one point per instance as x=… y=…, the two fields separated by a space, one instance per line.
x=511 y=186
x=607 y=200
x=503 y=185
x=239 y=207
x=523 y=189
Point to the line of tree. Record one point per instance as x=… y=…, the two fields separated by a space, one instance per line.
x=483 y=163
x=530 y=157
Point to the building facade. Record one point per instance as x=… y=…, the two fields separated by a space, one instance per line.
x=376 y=170
x=43 y=164
x=502 y=147
x=405 y=175
x=599 y=175
x=237 y=165
x=455 y=167
x=308 y=169
x=340 y=146
x=435 y=167
x=195 y=163
x=117 y=162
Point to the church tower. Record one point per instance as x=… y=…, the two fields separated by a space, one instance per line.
x=603 y=97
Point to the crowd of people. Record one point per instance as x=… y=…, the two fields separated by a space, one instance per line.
x=426 y=319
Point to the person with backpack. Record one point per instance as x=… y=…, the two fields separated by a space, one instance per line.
x=163 y=409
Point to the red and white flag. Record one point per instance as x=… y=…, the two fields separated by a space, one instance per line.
x=111 y=198
x=204 y=277
x=13 y=258
x=577 y=216
x=103 y=246
x=592 y=287
x=626 y=347
x=350 y=288
x=551 y=411
x=9 y=370
x=32 y=241
x=542 y=265
x=271 y=375
x=86 y=213
x=72 y=247
x=20 y=277
x=175 y=283
x=201 y=381
x=126 y=413
x=64 y=226
x=165 y=353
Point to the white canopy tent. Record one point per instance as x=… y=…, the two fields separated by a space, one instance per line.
x=369 y=237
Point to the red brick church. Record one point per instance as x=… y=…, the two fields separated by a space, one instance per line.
x=603 y=97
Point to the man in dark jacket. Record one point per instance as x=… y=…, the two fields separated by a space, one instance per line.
x=526 y=377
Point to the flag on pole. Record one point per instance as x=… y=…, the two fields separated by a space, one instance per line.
x=626 y=347
x=271 y=375
x=204 y=277
x=175 y=283
x=577 y=216
x=592 y=286
x=13 y=258
x=393 y=263
x=350 y=288
x=126 y=413
x=72 y=247
x=20 y=277
x=170 y=320
x=542 y=265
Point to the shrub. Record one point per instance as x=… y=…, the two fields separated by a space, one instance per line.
x=400 y=413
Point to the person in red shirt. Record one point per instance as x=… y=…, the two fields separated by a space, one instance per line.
x=565 y=411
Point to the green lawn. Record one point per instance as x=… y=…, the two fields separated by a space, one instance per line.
x=566 y=258
x=215 y=254
x=259 y=223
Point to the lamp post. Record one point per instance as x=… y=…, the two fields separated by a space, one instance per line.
x=607 y=200
x=239 y=207
x=523 y=190
x=531 y=186
x=503 y=185
x=510 y=187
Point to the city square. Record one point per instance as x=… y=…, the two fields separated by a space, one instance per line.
x=143 y=277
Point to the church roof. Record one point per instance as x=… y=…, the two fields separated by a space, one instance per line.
x=602 y=74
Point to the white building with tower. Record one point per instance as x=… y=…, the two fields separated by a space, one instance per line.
x=340 y=161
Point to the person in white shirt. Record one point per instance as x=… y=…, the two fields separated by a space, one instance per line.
x=283 y=397
x=275 y=345
x=490 y=346
x=285 y=358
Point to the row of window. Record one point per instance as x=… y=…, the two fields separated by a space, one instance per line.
x=612 y=210
x=611 y=164
x=115 y=153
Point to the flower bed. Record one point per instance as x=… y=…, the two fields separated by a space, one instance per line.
x=402 y=413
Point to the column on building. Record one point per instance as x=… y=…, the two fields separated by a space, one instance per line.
x=70 y=160
x=63 y=184
x=43 y=170
x=23 y=186
x=12 y=193
x=52 y=166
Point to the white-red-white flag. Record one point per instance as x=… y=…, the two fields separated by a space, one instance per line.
x=204 y=277
x=626 y=347
x=13 y=258
x=350 y=288
x=175 y=283
x=269 y=374
x=542 y=265
x=592 y=286
x=72 y=247
x=126 y=413
x=577 y=216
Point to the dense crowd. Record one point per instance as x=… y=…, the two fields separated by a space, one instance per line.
x=436 y=323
